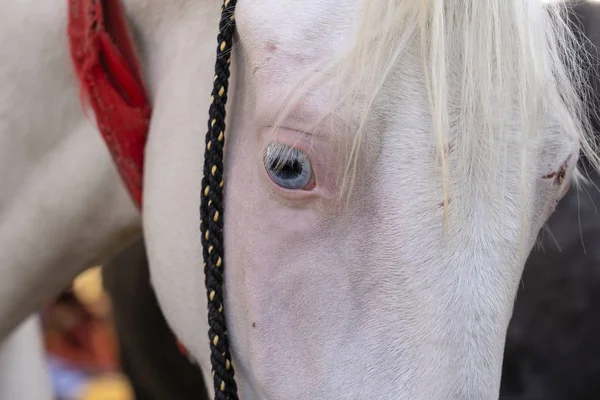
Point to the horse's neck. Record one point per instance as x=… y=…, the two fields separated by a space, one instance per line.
x=62 y=205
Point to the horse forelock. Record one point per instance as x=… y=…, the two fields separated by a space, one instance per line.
x=498 y=74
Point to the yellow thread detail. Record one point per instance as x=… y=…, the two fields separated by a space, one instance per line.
x=212 y=99
x=227 y=364
x=216 y=217
x=213 y=122
x=221 y=308
x=210 y=249
x=208 y=145
x=213 y=169
x=221 y=91
x=222 y=386
x=209 y=202
x=221 y=184
x=220 y=138
x=219 y=262
x=226 y=3
x=215 y=78
x=213 y=372
x=206 y=235
x=206 y=190
x=212 y=295
x=223 y=44
x=216 y=340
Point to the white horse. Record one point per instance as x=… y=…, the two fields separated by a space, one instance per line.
x=432 y=140
x=62 y=205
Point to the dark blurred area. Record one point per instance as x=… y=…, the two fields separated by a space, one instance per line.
x=553 y=342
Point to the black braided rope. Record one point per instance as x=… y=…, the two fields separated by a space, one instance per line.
x=211 y=212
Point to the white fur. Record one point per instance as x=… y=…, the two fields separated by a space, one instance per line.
x=329 y=302
x=325 y=300
x=62 y=205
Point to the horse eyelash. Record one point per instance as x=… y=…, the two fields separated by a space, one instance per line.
x=281 y=153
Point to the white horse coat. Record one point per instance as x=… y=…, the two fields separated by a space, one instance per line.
x=403 y=289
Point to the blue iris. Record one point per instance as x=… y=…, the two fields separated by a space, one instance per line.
x=287 y=166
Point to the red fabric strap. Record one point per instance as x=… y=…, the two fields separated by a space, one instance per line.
x=106 y=64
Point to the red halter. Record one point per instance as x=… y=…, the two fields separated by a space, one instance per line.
x=109 y=73
x=110 y=76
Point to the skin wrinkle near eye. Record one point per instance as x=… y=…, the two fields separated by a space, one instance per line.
x=333 y=133
x=306 y=115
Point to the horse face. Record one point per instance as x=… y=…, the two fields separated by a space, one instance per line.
x=330 y=297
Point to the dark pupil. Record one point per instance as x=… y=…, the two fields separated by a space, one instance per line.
x=290 y=169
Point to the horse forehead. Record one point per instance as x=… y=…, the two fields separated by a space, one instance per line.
x=294 y=32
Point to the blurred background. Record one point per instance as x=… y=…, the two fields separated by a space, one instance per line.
x=81 y=342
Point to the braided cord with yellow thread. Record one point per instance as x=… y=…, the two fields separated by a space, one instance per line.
x=211 y=212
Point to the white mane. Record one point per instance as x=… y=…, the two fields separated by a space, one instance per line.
x=495 y=72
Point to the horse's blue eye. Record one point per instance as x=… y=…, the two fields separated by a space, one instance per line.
x=287 y=166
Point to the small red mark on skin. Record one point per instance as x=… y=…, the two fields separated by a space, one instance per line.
x=271 y=47
x=442 y=203
x=560 y=175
